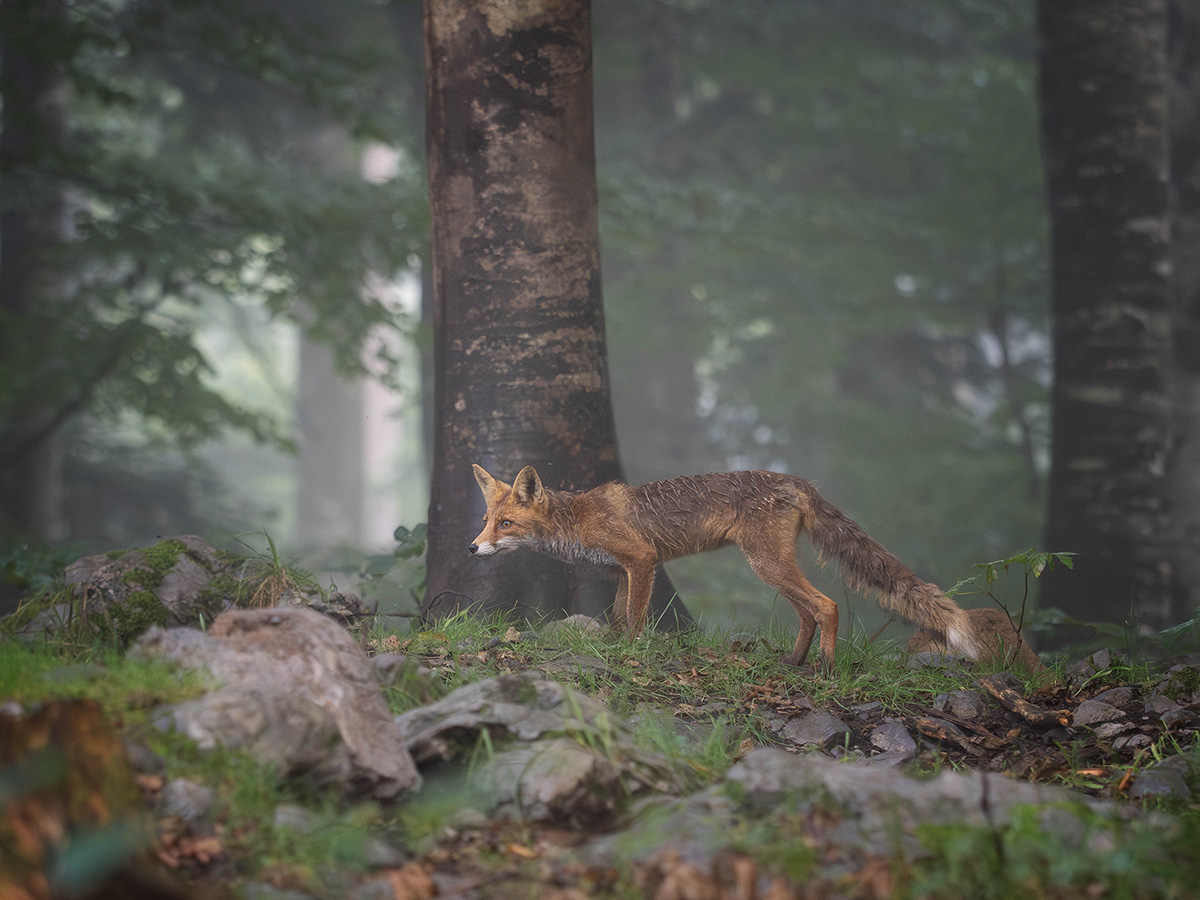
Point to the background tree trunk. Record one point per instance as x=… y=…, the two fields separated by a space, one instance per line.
x=1184 y=115
x=33 y=225
x=330 y=405
x=519 y=347
x=330 y=476
x=1104 y=127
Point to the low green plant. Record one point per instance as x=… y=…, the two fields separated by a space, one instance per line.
x=1031 y=564
x=1028 y=857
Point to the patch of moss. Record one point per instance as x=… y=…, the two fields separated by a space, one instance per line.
x=223 y=591
x=163 y=556
x=140 y=610
x=1181 y=685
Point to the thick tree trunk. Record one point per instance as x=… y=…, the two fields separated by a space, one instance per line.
x=1104 y=127
x=32 y=227
x=519 y=349
x=1184 y=115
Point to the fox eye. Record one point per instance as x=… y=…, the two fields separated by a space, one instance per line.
x=507 y=523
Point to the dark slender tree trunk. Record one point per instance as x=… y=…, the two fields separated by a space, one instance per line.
x=1184 y=115
x=519 y=353
x=32 y=228
x=1104 y=128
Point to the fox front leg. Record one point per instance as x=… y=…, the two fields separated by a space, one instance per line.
x=620 y=611
x=640 y=581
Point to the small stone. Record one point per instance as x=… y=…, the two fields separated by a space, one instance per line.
x=1160 y=705
x=1132 y=741
x=1092 y=712
x=1080 y=673
x=892 y=737
x=1160 y=781
x=381 y=854
x=379 y=889
x=189 y=800
x=467 y=817
x=816 y=729
x=1177 y=717
x=962 y=704
x=1116 y=696
x=578 y=623
x=294 y=817
x=1108 y=730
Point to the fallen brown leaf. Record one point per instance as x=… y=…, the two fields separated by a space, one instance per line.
x=412 y=882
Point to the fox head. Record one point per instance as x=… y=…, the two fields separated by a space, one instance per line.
x=516 y=513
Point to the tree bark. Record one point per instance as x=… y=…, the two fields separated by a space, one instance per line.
x=33 y=226
x=1183 y=45
x=1104 y=128
x=519 y=349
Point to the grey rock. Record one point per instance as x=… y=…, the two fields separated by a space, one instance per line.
x=381 y=854
x=1080 y=673
x=575 y=665
x=879 y=800
x=578 y=623
x=877 y=809
x=1161 y=704
x=189 y=800
x=893 y=738
x=526 y=707
x=294 y=817
x=377 y=889
x=1093 y=712
x=142 y=758
x=1132 y=741
x=557 y=780
x=293 y=688
x=816 y=729
x=962 y=704
x=1106 y=731
x=468 y=817
x=261 y=890
x=1116 y=696
x=1162 y=781
x=1177 y=717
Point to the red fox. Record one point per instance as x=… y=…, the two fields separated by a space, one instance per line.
x=631 y=529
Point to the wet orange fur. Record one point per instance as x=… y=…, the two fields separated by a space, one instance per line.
x=631 y=529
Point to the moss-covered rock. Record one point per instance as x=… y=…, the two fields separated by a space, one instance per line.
x=117 y=595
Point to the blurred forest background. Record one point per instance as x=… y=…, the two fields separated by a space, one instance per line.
x=825 y=251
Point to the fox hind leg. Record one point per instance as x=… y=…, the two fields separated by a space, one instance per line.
x=774 y=562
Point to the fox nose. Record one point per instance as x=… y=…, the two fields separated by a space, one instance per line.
x=473 y=547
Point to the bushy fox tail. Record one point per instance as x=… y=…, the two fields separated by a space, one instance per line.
x=869 y=567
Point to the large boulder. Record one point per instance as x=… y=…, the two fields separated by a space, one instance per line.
x=293 y=689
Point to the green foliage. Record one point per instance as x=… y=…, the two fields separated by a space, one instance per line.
x=209 y=155
x=1030 y=858
x=1032 y=563
x=410 y=543
x=819 y=229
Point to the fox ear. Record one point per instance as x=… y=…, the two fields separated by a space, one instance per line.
x=527 y=486
x=486 y=482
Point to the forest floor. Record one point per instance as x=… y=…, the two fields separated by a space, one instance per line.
x=1103 y=727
